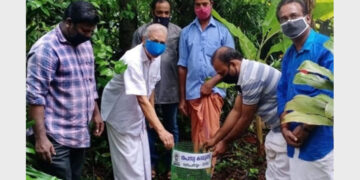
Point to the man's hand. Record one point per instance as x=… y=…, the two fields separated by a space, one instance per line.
x=167 y=138
x=98 y=125
x=206 y=89
x=220 y=148
x=208 y=144
x=301 y=134
x=44 y=148
x=289 y=136
x=183 y=107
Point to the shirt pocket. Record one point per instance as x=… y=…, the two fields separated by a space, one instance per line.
x=210 y=49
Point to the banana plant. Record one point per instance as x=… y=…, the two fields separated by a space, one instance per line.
x=323 y=11
x=270 y=27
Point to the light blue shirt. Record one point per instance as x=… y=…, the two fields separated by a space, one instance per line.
x=195 y=50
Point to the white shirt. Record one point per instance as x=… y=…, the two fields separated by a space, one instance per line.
x=119 y=105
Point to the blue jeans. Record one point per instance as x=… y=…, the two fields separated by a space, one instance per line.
x=167 y=114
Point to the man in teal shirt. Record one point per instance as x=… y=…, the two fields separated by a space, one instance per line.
x=310 y=148
x=198 y=42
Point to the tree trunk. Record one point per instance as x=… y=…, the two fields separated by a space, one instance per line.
x=310 y=4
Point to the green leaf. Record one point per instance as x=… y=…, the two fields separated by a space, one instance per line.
x=102 y=63
x=35 y=4
x=315 y=80
x=96 y=5
x=329 y=110
x=45 y=11
x=120 y=67
x=324 y=10
x=329 y=44
x=105 y=155
x=247 y=47
x=307 y=119
x=276 y=64
x=30 y=150
x=107 y=72
x=30 y=123
x=281 y=46
x=310 y=105
x=316 y=110
x=270 y=24
x=225 y=85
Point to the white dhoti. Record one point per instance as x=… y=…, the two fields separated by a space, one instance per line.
x=276 y=157
x=321 y=169
x=130 y=155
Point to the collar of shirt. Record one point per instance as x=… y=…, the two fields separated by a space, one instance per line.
x=307 y=45
x=144 y=57
x=60 y=35
x=197 y=23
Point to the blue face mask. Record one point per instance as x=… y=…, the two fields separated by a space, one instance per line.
x=154 y=48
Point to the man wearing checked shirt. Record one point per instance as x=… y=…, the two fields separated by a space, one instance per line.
x=199 y=100
x=61 y=92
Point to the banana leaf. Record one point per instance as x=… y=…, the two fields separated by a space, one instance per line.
x=270 y=25
x=311 y=119
x=314 y=75
x=247 y=47
x=324 y=10
x=316 y=110
x=281 y=46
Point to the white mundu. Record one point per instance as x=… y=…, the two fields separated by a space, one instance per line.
x=125 y=120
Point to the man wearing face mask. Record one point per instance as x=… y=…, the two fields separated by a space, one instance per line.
x=310 y=148
x=199 y=100
x=256 y=84
x=167 y=90
x=61 y=92
x=128 y=100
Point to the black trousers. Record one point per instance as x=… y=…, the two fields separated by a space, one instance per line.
x=66 y=164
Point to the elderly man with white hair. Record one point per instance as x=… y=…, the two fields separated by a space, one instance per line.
x=127 y=100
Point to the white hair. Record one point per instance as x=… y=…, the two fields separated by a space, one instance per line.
x=154 y=28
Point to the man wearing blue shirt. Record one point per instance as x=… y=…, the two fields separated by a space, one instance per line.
x=310 y=148
x=200 y=101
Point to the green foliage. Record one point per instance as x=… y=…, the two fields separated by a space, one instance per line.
x=324 y=10
x=41 y=17
x=34 y=174
x=269 y=28
x=314 y=75
x=316 y=110
x=323 y=15
x=247 y=47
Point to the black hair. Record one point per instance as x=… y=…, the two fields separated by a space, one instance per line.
x=211 y=1
x=305 y=9
x=153 y=4
x=81 y=12
x=226 y=54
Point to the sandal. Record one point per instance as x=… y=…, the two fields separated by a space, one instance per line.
x=169 y=175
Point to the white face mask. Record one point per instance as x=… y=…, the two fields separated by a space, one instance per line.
x=295 y=27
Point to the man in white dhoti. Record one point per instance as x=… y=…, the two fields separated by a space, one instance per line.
x=127 y=100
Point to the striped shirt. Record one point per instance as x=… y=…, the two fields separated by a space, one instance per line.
x=60 y=77
x=258 y=83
